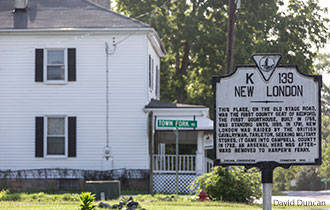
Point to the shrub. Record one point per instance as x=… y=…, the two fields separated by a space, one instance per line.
x=233 y=184
x=86 y=201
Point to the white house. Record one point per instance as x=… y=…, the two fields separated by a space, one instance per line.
x=76 y=80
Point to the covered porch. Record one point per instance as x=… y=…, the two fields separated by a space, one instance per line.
x=195 y=150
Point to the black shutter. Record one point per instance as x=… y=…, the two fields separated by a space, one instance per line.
x=39 y=65
x=72 y=136
x=39 y=137
x=72 y=64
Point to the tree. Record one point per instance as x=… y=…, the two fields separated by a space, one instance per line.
x=194 y=34
x=324 y=169
x=282 y=178
x=308 y=179
x=322 y=66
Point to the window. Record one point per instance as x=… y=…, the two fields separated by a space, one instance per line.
x=56 y=136
x=55 y=65
x=56 y=140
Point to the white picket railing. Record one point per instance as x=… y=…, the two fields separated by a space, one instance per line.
x=167 y=163
x=209 y=165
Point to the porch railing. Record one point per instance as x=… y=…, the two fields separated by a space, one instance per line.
x=167 y=163
x=209 y=165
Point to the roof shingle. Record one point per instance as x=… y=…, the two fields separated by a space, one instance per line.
x=55 y=14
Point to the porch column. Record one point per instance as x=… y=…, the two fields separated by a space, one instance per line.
x=200 y=154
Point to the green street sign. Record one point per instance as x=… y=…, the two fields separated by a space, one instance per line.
x=325 y=180
x=177 y=123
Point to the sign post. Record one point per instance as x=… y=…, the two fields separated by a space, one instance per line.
x=176 y=160
x=177 y=124
x=267 y=116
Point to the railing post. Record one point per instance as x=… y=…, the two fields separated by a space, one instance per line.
x=173 y=163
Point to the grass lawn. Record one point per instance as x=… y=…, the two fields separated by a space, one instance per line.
x=43 y=201
x=35 y=205
x=161 y=205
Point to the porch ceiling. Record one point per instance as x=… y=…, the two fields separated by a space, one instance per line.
x=168 y=137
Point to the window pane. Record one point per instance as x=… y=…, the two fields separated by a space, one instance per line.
x=55 y=72
x=55 y=56
x=55 y=126
x=55 y=146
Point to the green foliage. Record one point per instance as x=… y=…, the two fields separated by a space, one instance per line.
x=86 y=201
x=282 y=178
x=6 y=195
x=325 y=100
x=3 y=193
x=233 y=184
x=307 y=179
x=324 y=169
x=322 y=66
x=279 y=180
x=194 y=34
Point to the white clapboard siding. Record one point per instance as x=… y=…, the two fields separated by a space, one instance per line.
x=22 y=99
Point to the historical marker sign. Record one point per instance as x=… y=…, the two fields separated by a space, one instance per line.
x=267 y=113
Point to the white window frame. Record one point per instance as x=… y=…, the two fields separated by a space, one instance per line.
x=65 y=136
x=65 y=81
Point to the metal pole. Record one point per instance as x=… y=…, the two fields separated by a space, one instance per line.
x=176 y=160
x=267 y=183
x=230 y=36
x=267 y=196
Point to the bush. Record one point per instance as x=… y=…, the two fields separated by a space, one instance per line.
x=86 y=201
x=233 y=184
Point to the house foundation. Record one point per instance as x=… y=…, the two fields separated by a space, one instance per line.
x=70 y=179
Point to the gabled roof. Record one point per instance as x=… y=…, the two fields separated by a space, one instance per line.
x=163 y=104
x=55 y=14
